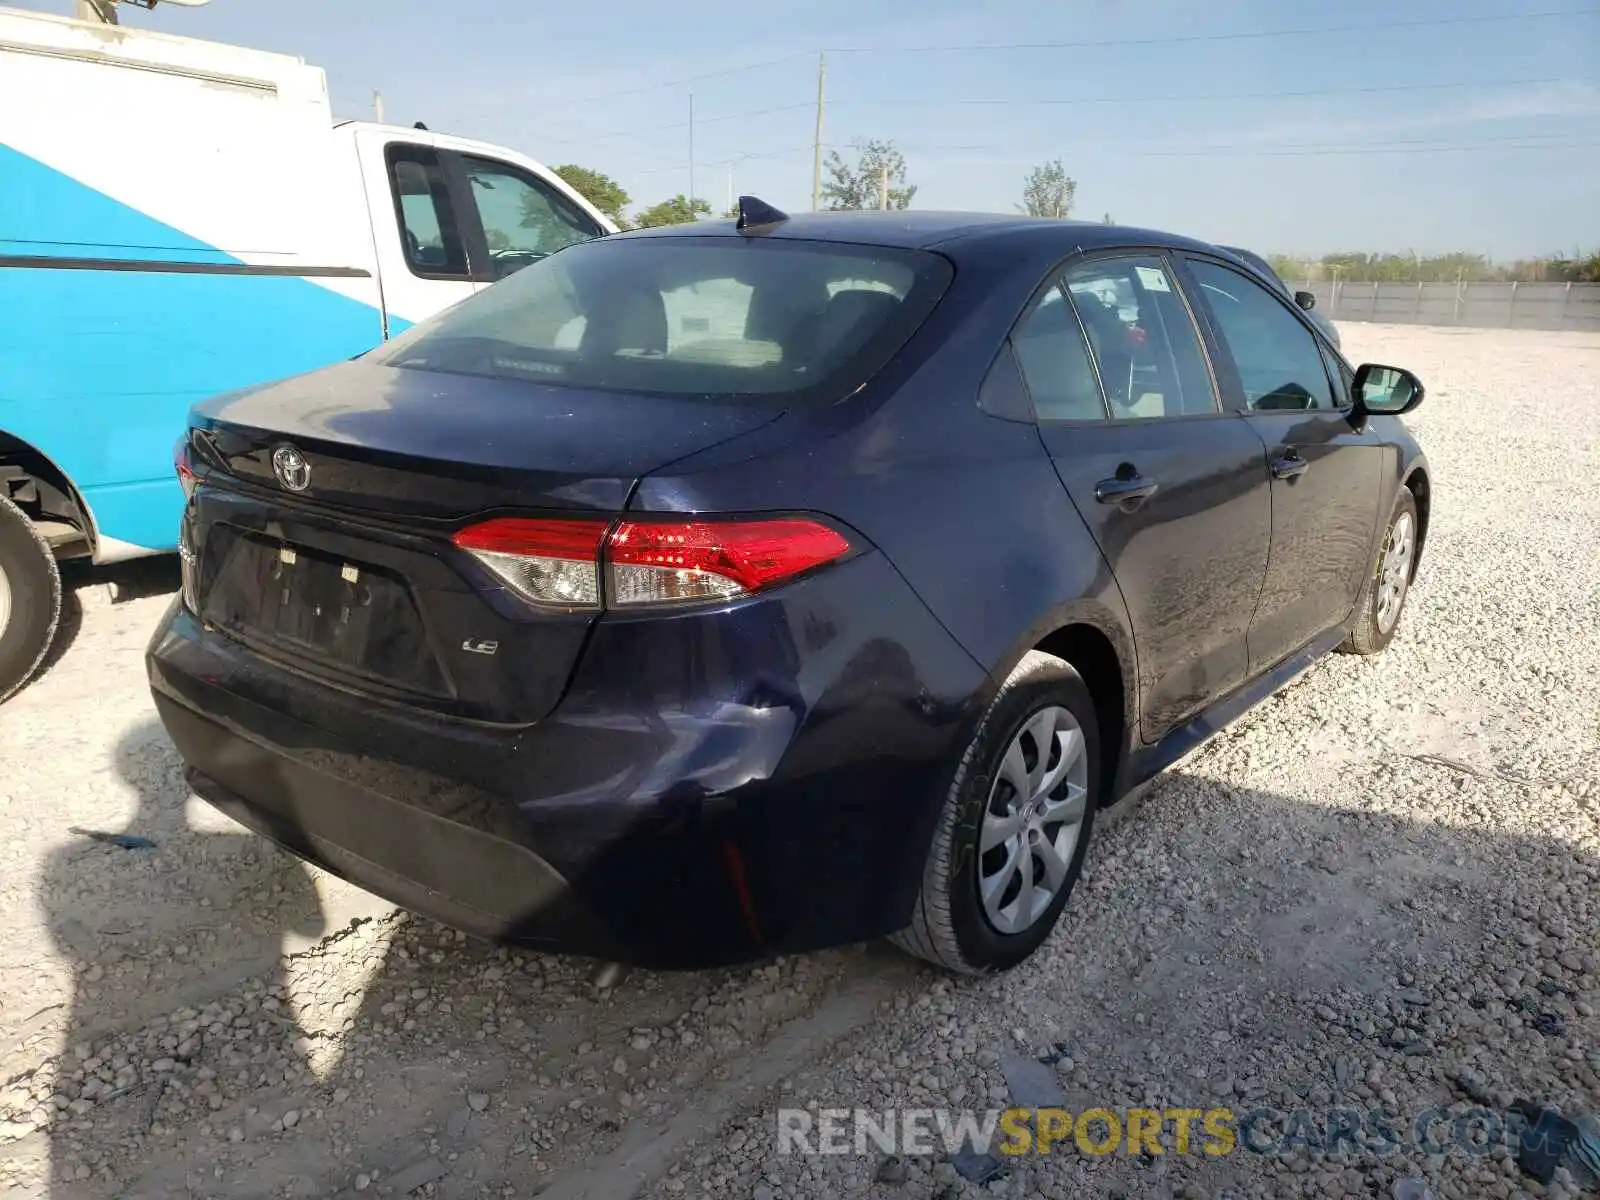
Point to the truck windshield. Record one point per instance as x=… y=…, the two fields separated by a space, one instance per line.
x=720 y=317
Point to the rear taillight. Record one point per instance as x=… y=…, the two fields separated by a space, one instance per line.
x=650 y=562
x=554 y=562
x=561 y=562
x=180 y=464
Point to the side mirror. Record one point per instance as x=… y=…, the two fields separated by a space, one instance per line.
x=1386 y=391
x=1305 y=300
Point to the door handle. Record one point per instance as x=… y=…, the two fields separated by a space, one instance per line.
x=1290 y=466
x=1127 y=491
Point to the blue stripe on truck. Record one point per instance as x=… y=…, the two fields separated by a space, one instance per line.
x=99 y=367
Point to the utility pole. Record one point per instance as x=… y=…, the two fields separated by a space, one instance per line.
x=377 y=106
x=883 y=188
x=816 y=143
x=691 y=156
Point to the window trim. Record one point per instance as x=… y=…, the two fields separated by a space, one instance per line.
x=1054 y=283
x=1057 y=278
x=479 y=257
x=417 y=152
x=1236 y=382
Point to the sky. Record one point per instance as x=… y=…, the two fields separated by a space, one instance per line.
x=1419 y=126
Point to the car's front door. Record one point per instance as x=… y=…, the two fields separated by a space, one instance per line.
x=1174 y=490
x=1326 y=470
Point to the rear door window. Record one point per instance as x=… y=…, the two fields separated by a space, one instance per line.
x=718 y=317
x=1144 y=341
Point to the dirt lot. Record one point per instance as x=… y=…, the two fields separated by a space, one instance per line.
x=1381 y=888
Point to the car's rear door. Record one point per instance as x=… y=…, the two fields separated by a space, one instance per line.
x=1174 y=490
x=1326 y=470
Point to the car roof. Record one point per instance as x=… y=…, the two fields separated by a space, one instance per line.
x=952 y=233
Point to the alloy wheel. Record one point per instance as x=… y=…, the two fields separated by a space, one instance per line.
x=1394 y=572
x=1033 y=820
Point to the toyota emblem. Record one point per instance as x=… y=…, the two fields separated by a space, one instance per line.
x=291 y=468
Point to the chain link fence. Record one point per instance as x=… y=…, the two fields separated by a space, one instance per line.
x=1479 y=305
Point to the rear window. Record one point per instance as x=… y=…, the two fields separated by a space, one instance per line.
x=720 y=317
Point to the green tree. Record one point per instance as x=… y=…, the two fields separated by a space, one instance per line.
x=600 y=190
x=680 y=210
x=861 y=186
x=1288 y=268
x=1048 y=191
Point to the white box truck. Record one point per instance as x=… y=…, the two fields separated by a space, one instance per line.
x=180 y=218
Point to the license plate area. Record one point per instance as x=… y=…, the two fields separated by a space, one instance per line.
x=320 y=608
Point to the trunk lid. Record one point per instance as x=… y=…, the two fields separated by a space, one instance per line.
x=424 y=444
x=337 y=561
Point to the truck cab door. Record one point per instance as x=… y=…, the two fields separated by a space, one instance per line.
x=520 y=215
x=451 y=217
x=419 y=216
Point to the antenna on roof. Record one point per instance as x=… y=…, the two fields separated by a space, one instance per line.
x=104 y=12
x=421 y=126
x=758 y=214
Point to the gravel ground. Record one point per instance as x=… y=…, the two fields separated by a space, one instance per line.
x=1382 y=888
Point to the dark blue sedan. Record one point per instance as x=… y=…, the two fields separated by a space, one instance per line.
x=706 y=593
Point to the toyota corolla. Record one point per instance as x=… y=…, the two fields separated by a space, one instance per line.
x=705 y=593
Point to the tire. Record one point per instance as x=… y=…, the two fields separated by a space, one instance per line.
x=1383 y=596
x=952 y=925
x=30 y=598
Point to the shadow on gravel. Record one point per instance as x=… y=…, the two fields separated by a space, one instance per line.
x=135 y=580
x=1345 y=952
x=153 y=916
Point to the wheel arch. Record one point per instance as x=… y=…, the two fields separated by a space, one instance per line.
x=1096 y=640
x=1421 y=489
x=32 y=480
x=1093 y=654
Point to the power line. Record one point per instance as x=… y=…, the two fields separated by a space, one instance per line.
x=1357 y=151
x=1244 y=35
x=1179 y=99
x=1176 y=39
x=1304 y=149
x=637 y=132
x=681 y=82
x=934 y=102
x=723 y=162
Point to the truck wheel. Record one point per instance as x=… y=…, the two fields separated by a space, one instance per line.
x=30 y=598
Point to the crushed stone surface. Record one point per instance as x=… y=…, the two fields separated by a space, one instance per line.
x=1380 y=889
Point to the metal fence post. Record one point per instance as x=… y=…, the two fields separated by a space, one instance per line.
x=1511 y=310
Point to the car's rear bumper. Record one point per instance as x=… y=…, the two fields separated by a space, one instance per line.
x=669 y=812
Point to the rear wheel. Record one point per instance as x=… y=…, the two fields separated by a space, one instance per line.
x=1012 y=836
x=1388 y=583
x=30 y=598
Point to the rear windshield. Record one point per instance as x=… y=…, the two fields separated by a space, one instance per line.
x=720 y=317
